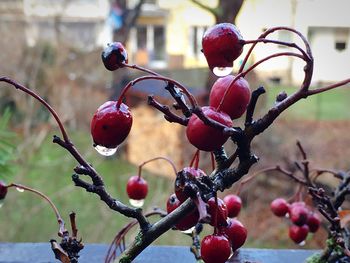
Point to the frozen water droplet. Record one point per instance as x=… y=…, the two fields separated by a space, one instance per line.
x=302 y=243
x=19 y=189
x=188 y=231
x=222 y=71
x=105 y=151
x=137 y=203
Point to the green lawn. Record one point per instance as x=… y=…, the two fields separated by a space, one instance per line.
x=331 y=105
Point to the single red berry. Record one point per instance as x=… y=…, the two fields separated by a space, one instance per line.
x=114 y=55
x=236 y=99
x=188 y=221
x=137 y=188
x=222 y=44
x=235 y=232
x=3 y=190
x=111 y=125
x=298 y=233
x=215 y=249
x=313 y=222
x=233 y=204
x=191 y=173
x=298 y=213
x=279 y=207
x=204 y=137
x=218 y=212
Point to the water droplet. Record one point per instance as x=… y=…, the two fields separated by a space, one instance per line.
x=1 y=203
x=302 y=243
x=105 y=151
x=287 y=215
x=222 y=71
x=188 y=231
x=19 y=189
x=137 y=203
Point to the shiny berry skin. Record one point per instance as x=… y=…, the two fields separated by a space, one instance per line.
x=236 y=99
x=298 y=213
x=114 y=55
x=235 y=232
x=220 y=210
x=222 y=44
x=111 y=125
x=179 y=187
x=3 y=190
x=204 y=137
x=279 y=207
x=188 y=221
x=215 y=249
x=137 y=188
x=233 y=204
x=298 y=233
x=313 y=222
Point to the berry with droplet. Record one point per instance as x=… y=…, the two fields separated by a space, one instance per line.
x=233 y=204
x=298 y=233
x=215 y=249
x=188 y=221
x=111 y=125
x=222 y=44
x=114 y=55
x=218 y=212
x=205 y=137
x=3 y=190
x=236 y=98
x=279 y=207
x=137 y=188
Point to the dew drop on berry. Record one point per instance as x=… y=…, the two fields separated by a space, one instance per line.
x=105 y=151
x=222 y=71
x=137 y=203
x=188 y=231
x=19 y=189
x=302 y=243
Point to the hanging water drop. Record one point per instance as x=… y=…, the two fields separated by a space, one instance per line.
x=222 y=71
x=19 y=189
x=302 y=243
x=1 y=203
x=137 y=203
x=105 y=151
x=188 y=231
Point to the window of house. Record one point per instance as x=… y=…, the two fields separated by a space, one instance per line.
x=341 y=39
x=196 y=34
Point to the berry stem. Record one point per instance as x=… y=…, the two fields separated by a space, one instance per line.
x=158 y=77
x=216 y=214
x=212 y=161
x=140 y=69
x=155 y=159
x=196 y=164
x=42 y=101
x=62 y=230
x=195 y=156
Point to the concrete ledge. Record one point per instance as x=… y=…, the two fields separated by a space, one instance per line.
x=93 y=253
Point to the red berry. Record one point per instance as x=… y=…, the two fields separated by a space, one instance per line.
x=217 y=212
x=179 y=186
x=204 y=137
x=3 y=190
x=298 y=213
x=233 y=204
x=188 y=221
x=279 y=207
x=137 y=188
x=298 y=233
x=215 y=249
x=313 y=222
x=235 y=232
x=114 y=55
x=222 y=44
x=111 y=125
x=236 y=99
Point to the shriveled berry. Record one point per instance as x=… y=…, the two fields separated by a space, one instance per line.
x=114 y=55
x=204 y=137
x=215 y=249
x=233 y=204
x=111 y=125
x=137 y=188
x=191 y=172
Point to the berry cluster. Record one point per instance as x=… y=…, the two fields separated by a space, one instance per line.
x=302 y=218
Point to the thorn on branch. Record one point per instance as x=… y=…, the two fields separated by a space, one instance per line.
x=179 y=98
x=252 y=104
